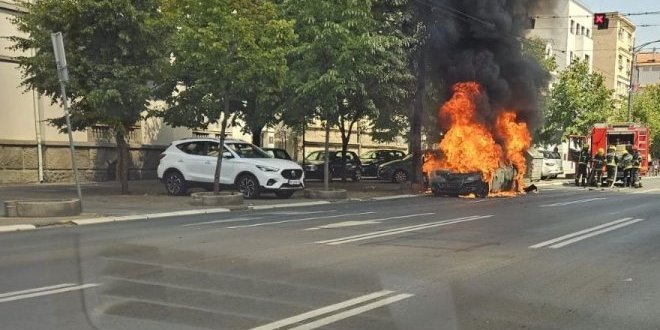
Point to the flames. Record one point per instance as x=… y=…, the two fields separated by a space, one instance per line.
x=473 y=145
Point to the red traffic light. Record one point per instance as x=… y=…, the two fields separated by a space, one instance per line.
x=601 y=21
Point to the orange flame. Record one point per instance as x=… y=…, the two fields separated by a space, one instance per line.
x=471 y=146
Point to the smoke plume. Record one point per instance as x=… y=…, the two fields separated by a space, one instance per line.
x=481 y=40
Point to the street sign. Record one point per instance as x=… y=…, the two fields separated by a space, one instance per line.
x=60 y=56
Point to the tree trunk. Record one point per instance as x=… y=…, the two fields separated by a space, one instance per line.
x=122 y=162
x=416 y=122
x=221 y=147
x=326 y=162
x=256 y=135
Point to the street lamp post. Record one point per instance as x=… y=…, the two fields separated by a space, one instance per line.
x=635 y=50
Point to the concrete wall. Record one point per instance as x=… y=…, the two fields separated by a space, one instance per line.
x=96 y=162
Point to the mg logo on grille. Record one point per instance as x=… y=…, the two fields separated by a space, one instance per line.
x=293 y=173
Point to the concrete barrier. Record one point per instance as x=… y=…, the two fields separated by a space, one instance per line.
x=43 y=208
x=334 y=194
x=221 y=199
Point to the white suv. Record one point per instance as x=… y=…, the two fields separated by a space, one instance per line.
x=191 y=162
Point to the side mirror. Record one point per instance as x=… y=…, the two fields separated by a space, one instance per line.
x=227 y=155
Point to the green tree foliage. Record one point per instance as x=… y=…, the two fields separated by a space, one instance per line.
x=577 y=100
x=536 y=48
x=346 y=67
x=114 y=49
x=229 y=59
x=646 y=109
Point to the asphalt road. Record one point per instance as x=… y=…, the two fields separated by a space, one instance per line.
x=566 y=258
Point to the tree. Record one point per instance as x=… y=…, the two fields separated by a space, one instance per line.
x=115 y=50
x=646 y=109
x=578 y=100
x=343 y=63
x=227 y=56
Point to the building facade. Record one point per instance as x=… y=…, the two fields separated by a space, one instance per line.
x=567 y=29
x=33 y=151
x=647 y=69
x=613 y=54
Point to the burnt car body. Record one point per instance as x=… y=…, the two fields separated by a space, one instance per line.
x=446 y=182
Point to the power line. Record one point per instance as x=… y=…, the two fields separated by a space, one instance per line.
x=589 y=16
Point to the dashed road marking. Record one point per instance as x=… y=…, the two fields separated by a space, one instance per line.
x=299 y=220
x=366 y=222
x=44 y=291
x=579 y=201
x=565 y=240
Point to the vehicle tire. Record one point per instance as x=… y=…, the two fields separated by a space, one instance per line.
x=357 y=176
x=284 y=194
x=483 y=191
x=175 y=183
x=248 y=185
x=400 y=176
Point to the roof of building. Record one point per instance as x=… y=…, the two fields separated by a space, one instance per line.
x=648 y=58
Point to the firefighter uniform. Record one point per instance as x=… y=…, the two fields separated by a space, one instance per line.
x=598 y=162
x=583 y=160
x=611 y=161
x=626 y=164
x=636 y=164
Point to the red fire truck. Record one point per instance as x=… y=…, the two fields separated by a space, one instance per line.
x=622 y=136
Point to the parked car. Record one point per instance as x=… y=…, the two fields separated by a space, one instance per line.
x=192 y=162
x=552 y=165
x=445 y=182
x=397 y=171
x=352 y=168
x=277 y=153
x=374 y=158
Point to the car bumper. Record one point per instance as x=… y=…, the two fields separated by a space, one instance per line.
x=275 y=181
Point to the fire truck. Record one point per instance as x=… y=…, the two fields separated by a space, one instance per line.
x=623 y=136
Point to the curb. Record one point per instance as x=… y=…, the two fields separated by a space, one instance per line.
x=280 y=206
x=93 y=221
x=5 y=229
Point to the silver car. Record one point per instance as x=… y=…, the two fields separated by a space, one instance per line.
x=552 y=165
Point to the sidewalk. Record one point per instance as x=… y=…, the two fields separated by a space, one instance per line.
x=149 y=196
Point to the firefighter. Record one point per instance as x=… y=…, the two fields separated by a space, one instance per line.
x=626 y=165
x=611 y=161
x=597 y=164
x=583 y=160
x=636 y=164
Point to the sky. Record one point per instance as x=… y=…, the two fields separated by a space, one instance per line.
x=643 y=34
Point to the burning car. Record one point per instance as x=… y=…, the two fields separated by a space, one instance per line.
x=447 y=182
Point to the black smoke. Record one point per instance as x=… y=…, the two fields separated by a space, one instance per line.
x=482 y=40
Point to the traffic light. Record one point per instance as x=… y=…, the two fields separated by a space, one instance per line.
x=601 y=21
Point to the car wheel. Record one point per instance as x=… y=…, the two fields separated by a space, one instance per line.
x=248 y=185
x=483 y=191
x=357 y=176
x=284 y=194
x=400 y=176
x=175 y=183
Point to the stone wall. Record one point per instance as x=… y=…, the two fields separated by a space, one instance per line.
x=96 y=162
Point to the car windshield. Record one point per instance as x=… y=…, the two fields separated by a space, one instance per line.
x=247 y=150
x=316 y=155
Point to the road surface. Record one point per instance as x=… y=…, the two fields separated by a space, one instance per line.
x=564 y=258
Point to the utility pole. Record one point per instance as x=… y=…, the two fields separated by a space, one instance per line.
x=63 y=75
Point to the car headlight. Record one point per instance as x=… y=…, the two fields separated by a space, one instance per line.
x=268 y=168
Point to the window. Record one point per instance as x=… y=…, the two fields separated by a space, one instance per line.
x=572 y=26
x=582 y=31
x=246 y=150
x=194 y=148
x=588 y=33
x=571 y=56
x=620 y=62
x=586 y=58
x=577 y=28
x=620 y=34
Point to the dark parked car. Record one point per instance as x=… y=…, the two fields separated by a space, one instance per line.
x=314 y=163
x=397 y=171
x=277 y=153
x=372 y=159
x=445 y=182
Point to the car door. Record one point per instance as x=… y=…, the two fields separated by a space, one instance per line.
x=194 y=162
x=211 y=160
x=231 y=166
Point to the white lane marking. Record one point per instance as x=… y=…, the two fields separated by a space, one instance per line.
x=578 y=233
x=352 y=312
x=592 y=234
x=242 y=219
x=299 y=212
x=579 y=201
x=401 y=230
x=384 y=198
x=322 y=311
x=14 y=293
x=298 y=220
x=645 y=191
x=366 y=222
x=280 y=206
x=48 y=292
x=4 y=229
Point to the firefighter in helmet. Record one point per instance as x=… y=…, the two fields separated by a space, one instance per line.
x=597 y=164
x=626 y=165
x=636 y=164
x=583 y=160
x=611 y=162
